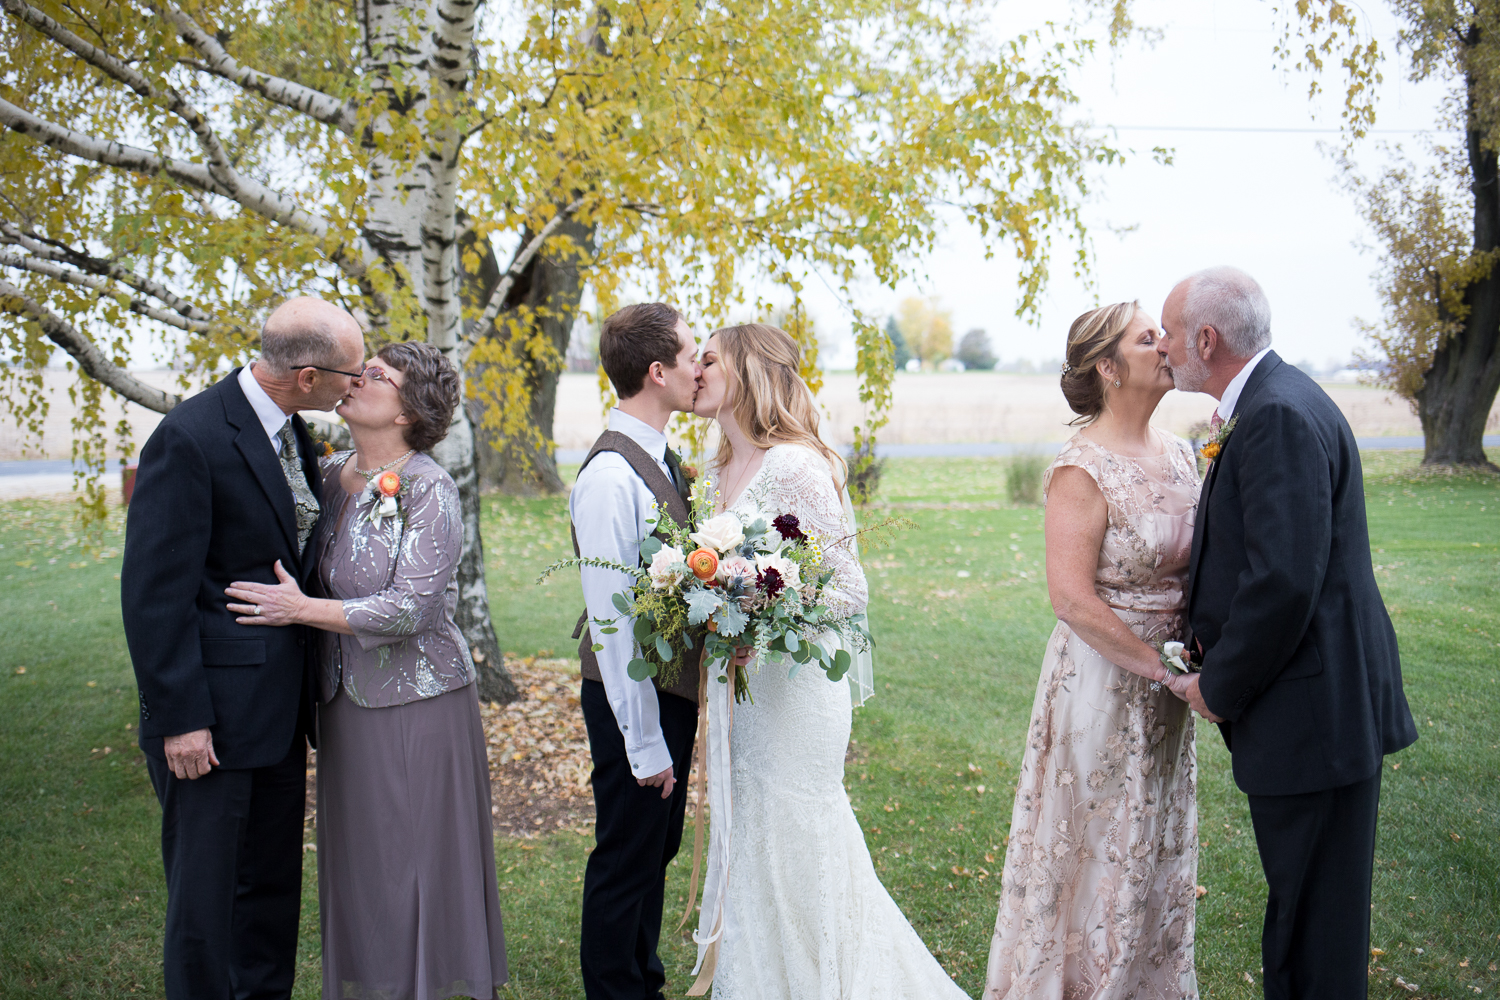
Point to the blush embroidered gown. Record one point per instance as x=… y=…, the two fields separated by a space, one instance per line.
x=805 y=915
x=1097 y=896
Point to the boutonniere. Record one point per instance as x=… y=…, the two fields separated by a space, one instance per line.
x=1215 y=445
x=690 y=473
x=321 y=446
x=386 y=490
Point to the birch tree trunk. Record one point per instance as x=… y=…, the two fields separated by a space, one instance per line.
x=420 y=53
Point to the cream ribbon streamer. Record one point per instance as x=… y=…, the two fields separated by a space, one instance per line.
x=720 y=697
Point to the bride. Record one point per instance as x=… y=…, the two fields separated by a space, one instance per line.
x=804 y=916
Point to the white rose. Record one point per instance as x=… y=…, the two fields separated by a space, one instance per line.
x=1173 y=651
x=791 y=575
x=667 y=567
x=720 y=533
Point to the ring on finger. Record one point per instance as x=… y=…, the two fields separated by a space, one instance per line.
x=255 y=609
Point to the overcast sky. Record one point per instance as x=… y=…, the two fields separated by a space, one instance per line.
x=1266 y=201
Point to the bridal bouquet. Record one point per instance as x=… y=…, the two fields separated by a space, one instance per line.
x=758 y=582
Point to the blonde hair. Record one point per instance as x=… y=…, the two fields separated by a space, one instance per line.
x=1094 y=337
x=767 y=396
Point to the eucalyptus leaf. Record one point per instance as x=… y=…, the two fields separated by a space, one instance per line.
x=650 y=546
x=609 y=630
x=596 y=647
x=641 y=630
x=638 y=669
x=687 y=640
x=792 y=639
x=663 y=649
x=621 y=604
x=792 y=673
x=842 y=661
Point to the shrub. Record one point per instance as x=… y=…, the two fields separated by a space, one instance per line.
x=1023 y=478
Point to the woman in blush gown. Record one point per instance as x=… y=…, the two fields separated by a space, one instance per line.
x=1098 y=891
x=804 y=914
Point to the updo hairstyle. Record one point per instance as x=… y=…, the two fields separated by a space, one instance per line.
x=1094 y=337
x=429 y=391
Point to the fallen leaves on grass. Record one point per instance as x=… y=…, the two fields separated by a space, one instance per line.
x=539 y=751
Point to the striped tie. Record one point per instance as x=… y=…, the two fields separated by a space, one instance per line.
x=307 y=504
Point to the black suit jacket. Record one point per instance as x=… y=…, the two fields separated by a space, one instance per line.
x=1300 y=655
x=212 y=506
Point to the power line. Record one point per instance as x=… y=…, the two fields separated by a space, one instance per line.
x=1251 y=128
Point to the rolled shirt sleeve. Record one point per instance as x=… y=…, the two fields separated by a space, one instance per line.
x=415 y=599
x=609 y=507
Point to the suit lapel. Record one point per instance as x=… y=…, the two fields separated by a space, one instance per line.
x=1257 y=378
x=256 y=449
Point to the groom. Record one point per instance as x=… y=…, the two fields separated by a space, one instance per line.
x=1300 y=666
x=640 y=735
x=227 y=486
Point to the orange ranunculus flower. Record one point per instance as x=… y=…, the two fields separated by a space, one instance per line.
x=1211 y=450
x=704 y=563
x=389 y=484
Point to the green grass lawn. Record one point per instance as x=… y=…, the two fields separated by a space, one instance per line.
x=960 y=610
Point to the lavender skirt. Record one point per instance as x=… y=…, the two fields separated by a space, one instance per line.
x=406 y=855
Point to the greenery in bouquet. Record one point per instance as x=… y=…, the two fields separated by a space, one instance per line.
x=754 y=582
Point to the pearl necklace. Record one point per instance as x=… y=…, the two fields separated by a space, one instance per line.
x=372 y=473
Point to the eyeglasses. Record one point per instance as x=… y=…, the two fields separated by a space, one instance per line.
x=378 y=374
x=336 y=371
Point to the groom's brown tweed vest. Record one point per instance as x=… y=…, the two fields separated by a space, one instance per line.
x=669 y=500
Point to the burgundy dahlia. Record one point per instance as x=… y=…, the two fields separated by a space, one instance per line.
x=770 y=583
x=789 y=528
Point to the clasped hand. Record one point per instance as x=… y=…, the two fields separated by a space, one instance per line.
x=1185 y=686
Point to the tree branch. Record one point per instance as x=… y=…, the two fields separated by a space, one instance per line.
x=98 y=284
x=218 y=62
x=249 y=193
x=220 y=168
x=85 y=351
x=508 y=279
x=50 y=249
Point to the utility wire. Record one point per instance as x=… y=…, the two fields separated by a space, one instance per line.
x=1249 y=128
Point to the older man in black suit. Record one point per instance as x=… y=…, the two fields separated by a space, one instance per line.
x=227 y=487
x=1300 y=666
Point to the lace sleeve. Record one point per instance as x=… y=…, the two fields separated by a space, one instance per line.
x=799 y=482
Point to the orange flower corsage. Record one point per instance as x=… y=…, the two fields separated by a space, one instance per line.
x=389 y=484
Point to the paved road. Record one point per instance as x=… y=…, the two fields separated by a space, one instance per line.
x=48 y=478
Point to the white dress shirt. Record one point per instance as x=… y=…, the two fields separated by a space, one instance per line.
x=272 y=417
x=609 y=506
x=1236 y=385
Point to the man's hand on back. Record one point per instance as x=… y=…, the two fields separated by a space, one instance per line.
x=664 y=781
x=191 y=755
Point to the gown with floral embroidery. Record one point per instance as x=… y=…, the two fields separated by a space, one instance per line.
x=1097 y=896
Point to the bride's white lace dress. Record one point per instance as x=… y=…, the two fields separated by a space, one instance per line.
x=806 y=917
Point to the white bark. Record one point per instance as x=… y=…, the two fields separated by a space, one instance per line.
x=85 y=352
x=10 y=234
x=71 y=277
x=218 y=62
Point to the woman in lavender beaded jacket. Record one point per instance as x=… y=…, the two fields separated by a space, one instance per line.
x=406 y=868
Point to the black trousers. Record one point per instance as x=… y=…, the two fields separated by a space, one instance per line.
x=231 y=842
x=1318 y=853
x=637 y=834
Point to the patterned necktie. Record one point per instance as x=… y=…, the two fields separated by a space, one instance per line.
x=307 y=504
x=679 y=482
x=1214 y=425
